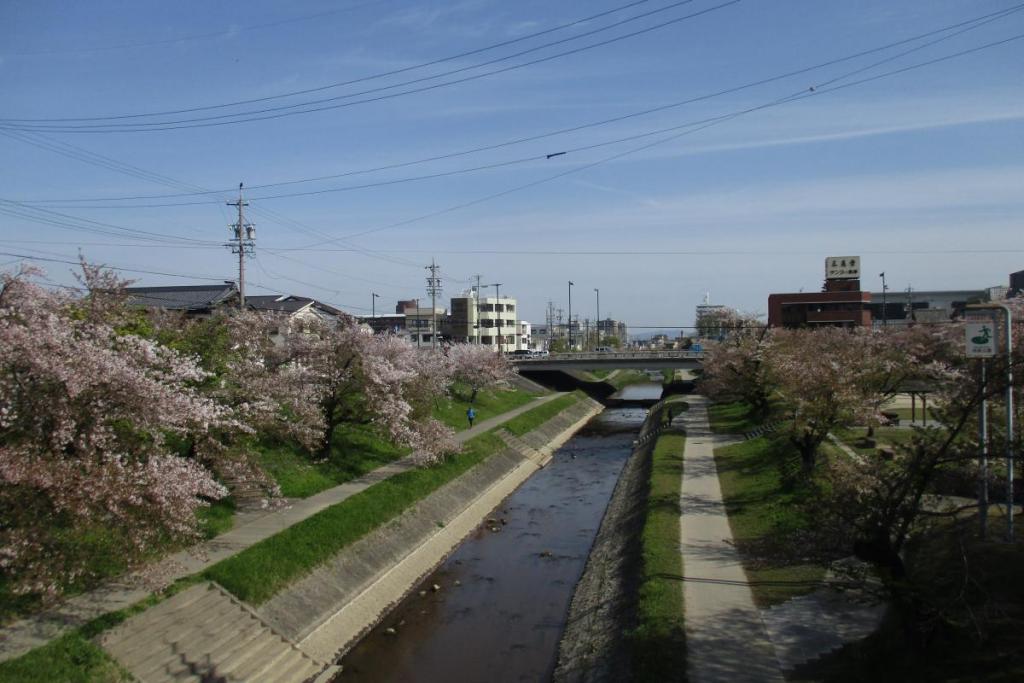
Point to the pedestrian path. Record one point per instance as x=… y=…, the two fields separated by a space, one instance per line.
x=726 y=640
x=37 y=630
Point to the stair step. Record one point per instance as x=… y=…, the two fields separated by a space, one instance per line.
x=202 y=634
x=153 y=620
x=276 y=656
x=144 y=646
x=298 y=670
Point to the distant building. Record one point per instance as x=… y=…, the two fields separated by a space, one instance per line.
x=420 y=323
x=190 y=299
x=613 y=328
x=904 y=308
x=840 y=303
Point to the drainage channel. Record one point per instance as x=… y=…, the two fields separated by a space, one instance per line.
x=496 y=608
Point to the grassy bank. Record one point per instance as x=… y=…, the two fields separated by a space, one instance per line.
x=531 y=419
x=355 y=450
x=488 y=403
x=626 y=377
x=763 y=501
x=732 y=418
x=659 y=641
x=260 y=571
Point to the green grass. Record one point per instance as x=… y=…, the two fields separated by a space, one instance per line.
x=627 y=377
x=257 y=573
x=732 y=418
x=600 y=374
x=531 y=419
x=489 y=403
x=764 y=506
x=884 y=436
x=356 y=450
x=658 y=642
x=74 y=657
x=217 y=518
x=976 y=634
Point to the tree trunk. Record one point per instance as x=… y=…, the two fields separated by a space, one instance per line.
x=331 y=420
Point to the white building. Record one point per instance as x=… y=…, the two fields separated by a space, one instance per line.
x=485 y=320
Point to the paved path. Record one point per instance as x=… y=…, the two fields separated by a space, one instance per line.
x=39 y=629
x=725 y=637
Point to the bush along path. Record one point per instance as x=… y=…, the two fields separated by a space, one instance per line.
x=725 y=637
x=38 y=630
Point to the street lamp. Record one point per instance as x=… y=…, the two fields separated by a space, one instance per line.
x=570 y=315
x=598 y=323
x=373 y=307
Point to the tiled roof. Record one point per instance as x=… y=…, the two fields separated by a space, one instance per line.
x=184 y=298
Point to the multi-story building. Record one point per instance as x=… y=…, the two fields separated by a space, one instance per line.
x=609 y=328
x=840 y=303
x=423 y=324
x=490 y=321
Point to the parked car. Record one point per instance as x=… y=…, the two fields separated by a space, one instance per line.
x=603 y=349
x=521 y=353
x=542 y=353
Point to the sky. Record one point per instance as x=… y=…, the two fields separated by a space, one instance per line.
x=656 y=150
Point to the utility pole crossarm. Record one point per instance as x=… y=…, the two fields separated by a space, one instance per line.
x=244 y=242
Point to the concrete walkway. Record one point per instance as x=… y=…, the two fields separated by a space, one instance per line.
x=725 y=638
x=39 y=629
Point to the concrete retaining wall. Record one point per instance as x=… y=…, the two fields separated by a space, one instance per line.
x=593 y=648
x=327 y=611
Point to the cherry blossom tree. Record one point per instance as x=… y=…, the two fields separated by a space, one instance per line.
x=478 y=367
x=823 y=379
x=380 y=378
x=734 y=368
x=85 y=416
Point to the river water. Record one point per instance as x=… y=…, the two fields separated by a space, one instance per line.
x=503 y=596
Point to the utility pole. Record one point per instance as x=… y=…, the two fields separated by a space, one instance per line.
x=373 y=308
x=598 y=292
x=417 y=322
x=570 y=315
x=476 y=318
x=497 y=295
x=885 y=288
x=433 y=289
x=244 y=242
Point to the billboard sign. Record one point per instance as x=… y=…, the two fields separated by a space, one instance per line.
x=981 y=339
x=842 y=268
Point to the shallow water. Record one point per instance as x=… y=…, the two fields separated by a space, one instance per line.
x=504 y=595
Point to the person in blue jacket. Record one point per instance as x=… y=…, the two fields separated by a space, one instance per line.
x=470 y=415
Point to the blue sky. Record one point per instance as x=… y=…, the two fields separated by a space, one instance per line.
x=920 y=172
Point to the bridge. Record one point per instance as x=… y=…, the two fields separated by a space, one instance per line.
x=626 y=360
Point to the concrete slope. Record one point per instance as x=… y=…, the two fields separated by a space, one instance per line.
x=203 y=634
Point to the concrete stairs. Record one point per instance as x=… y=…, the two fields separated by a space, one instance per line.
x=203 y=634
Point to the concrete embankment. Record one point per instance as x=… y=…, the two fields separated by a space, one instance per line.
x=593 y=647
x=327 y=611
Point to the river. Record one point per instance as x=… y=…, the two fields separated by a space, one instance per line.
x=503 y=595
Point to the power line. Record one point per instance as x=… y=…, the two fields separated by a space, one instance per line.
x=970 y=24
x=198 y=36
x=363 y=79
x=264 y=114
x=804 y=94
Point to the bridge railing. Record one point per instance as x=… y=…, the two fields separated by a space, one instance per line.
x=613 y=355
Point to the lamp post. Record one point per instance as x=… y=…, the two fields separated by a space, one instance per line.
x=570 y=315
x=598 y=322
x=885 y=288
x=373 y=308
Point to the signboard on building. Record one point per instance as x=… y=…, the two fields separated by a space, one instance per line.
x=980 y=339
x=842 y=268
